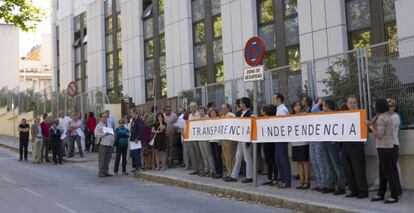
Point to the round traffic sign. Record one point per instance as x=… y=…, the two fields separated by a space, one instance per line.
x=254 y=51
x=72 y=89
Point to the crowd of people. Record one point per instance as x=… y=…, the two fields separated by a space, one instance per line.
x=155 y=141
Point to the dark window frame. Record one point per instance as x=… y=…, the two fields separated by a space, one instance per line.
x=116 y=47
x=79 y=36
x=209 y=40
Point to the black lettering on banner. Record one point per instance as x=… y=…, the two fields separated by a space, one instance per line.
x=198 y=131
x=289 y=130
x=238 y=130
x=276 y=131
x=226 y=129
x=248 y=131
x=297 y=130
x=282 y=131
x=269 y=131
x=352 y=130
x=194 y=130
x=232 y=130
x=311 y=130
x=327 y=129
x=262 y=131
x=318 y=128
x=335 y=126
x=304 y=130
x=343 y=129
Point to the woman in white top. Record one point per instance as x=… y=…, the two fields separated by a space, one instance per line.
x=300 y=154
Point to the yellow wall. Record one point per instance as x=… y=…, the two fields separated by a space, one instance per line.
x=10 y=120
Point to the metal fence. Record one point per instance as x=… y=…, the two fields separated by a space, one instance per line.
x=383 y=70
x=47 y=101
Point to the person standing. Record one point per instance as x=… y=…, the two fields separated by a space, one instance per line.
x=205 y=149
x=334 y=168
x=23 y=129
x=64 y=123
x=90 y=136
x=216 y=151
x=146 y=151
x=75 y=135
x=353 y=160
x=170 y=132
x=193 y=147
x=46 y=139
x=180 y=125
x=316 y=157
x=281 y=149
x=106 y=141
x=56 y=143
x=383 y=130
x=37 y=139
x=300 y=154
x=160 y=145
x=137 y=136
x=269 y=152
x=228 y=147
x=244 y=149
x=121 y=143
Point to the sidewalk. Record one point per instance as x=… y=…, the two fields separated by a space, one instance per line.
x=300 y=200
x=13 y=144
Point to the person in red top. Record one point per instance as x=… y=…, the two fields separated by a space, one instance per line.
x=90 y=135
x=46 y=138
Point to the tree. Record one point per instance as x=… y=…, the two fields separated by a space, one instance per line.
x=21 y=13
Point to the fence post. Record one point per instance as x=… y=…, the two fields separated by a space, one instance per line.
x=255 y=144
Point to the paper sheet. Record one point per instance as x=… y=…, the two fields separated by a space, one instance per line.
x=63 y=136
x=134 y=145
x=79 y=131
x=108 y=130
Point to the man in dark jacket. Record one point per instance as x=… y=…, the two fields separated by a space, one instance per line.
x=137 y=133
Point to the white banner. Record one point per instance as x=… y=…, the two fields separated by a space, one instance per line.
x=234 y=129
x=338 y=126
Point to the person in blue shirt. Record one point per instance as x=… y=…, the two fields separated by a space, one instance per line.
x=121 y=143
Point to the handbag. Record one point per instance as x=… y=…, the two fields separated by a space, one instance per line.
x=151 y=143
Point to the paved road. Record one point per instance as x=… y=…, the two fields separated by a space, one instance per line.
x=71 y=188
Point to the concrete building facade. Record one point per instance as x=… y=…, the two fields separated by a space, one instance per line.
x=174 y=45
x=9 y=56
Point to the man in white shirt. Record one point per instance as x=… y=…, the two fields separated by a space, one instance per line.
x=64 y=122
x=281 y=149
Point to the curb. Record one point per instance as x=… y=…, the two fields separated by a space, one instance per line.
x=29 y=152
x=268 y=200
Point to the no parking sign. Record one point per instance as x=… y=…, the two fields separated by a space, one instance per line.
x=254 y=51
x=72 y=89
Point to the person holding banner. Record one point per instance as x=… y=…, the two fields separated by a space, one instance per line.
x=244 y=149
x=206 y=154
x=383 y=131
x=193 y=146
x=316 y=157
x=228 y=147
x=281 y=148
x=269 y=152
x=216 y=151
x=353 y=160
x=335 y=170
x=300 y=154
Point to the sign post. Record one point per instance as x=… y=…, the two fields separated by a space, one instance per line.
x=254 y=51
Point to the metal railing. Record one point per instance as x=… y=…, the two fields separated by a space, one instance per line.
x=382 y=70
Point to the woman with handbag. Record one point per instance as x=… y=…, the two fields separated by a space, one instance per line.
x=160 y=141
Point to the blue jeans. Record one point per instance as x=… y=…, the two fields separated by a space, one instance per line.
x=71 y=145
x=282 y=162
x=137 y=155
x=318 y=162
x=333 y=164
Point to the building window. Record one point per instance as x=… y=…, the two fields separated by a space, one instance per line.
x=278 y=26
x=113 y=46
x=208 y=44
x=80 y=49
x=154 y=49
x=370 y=22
